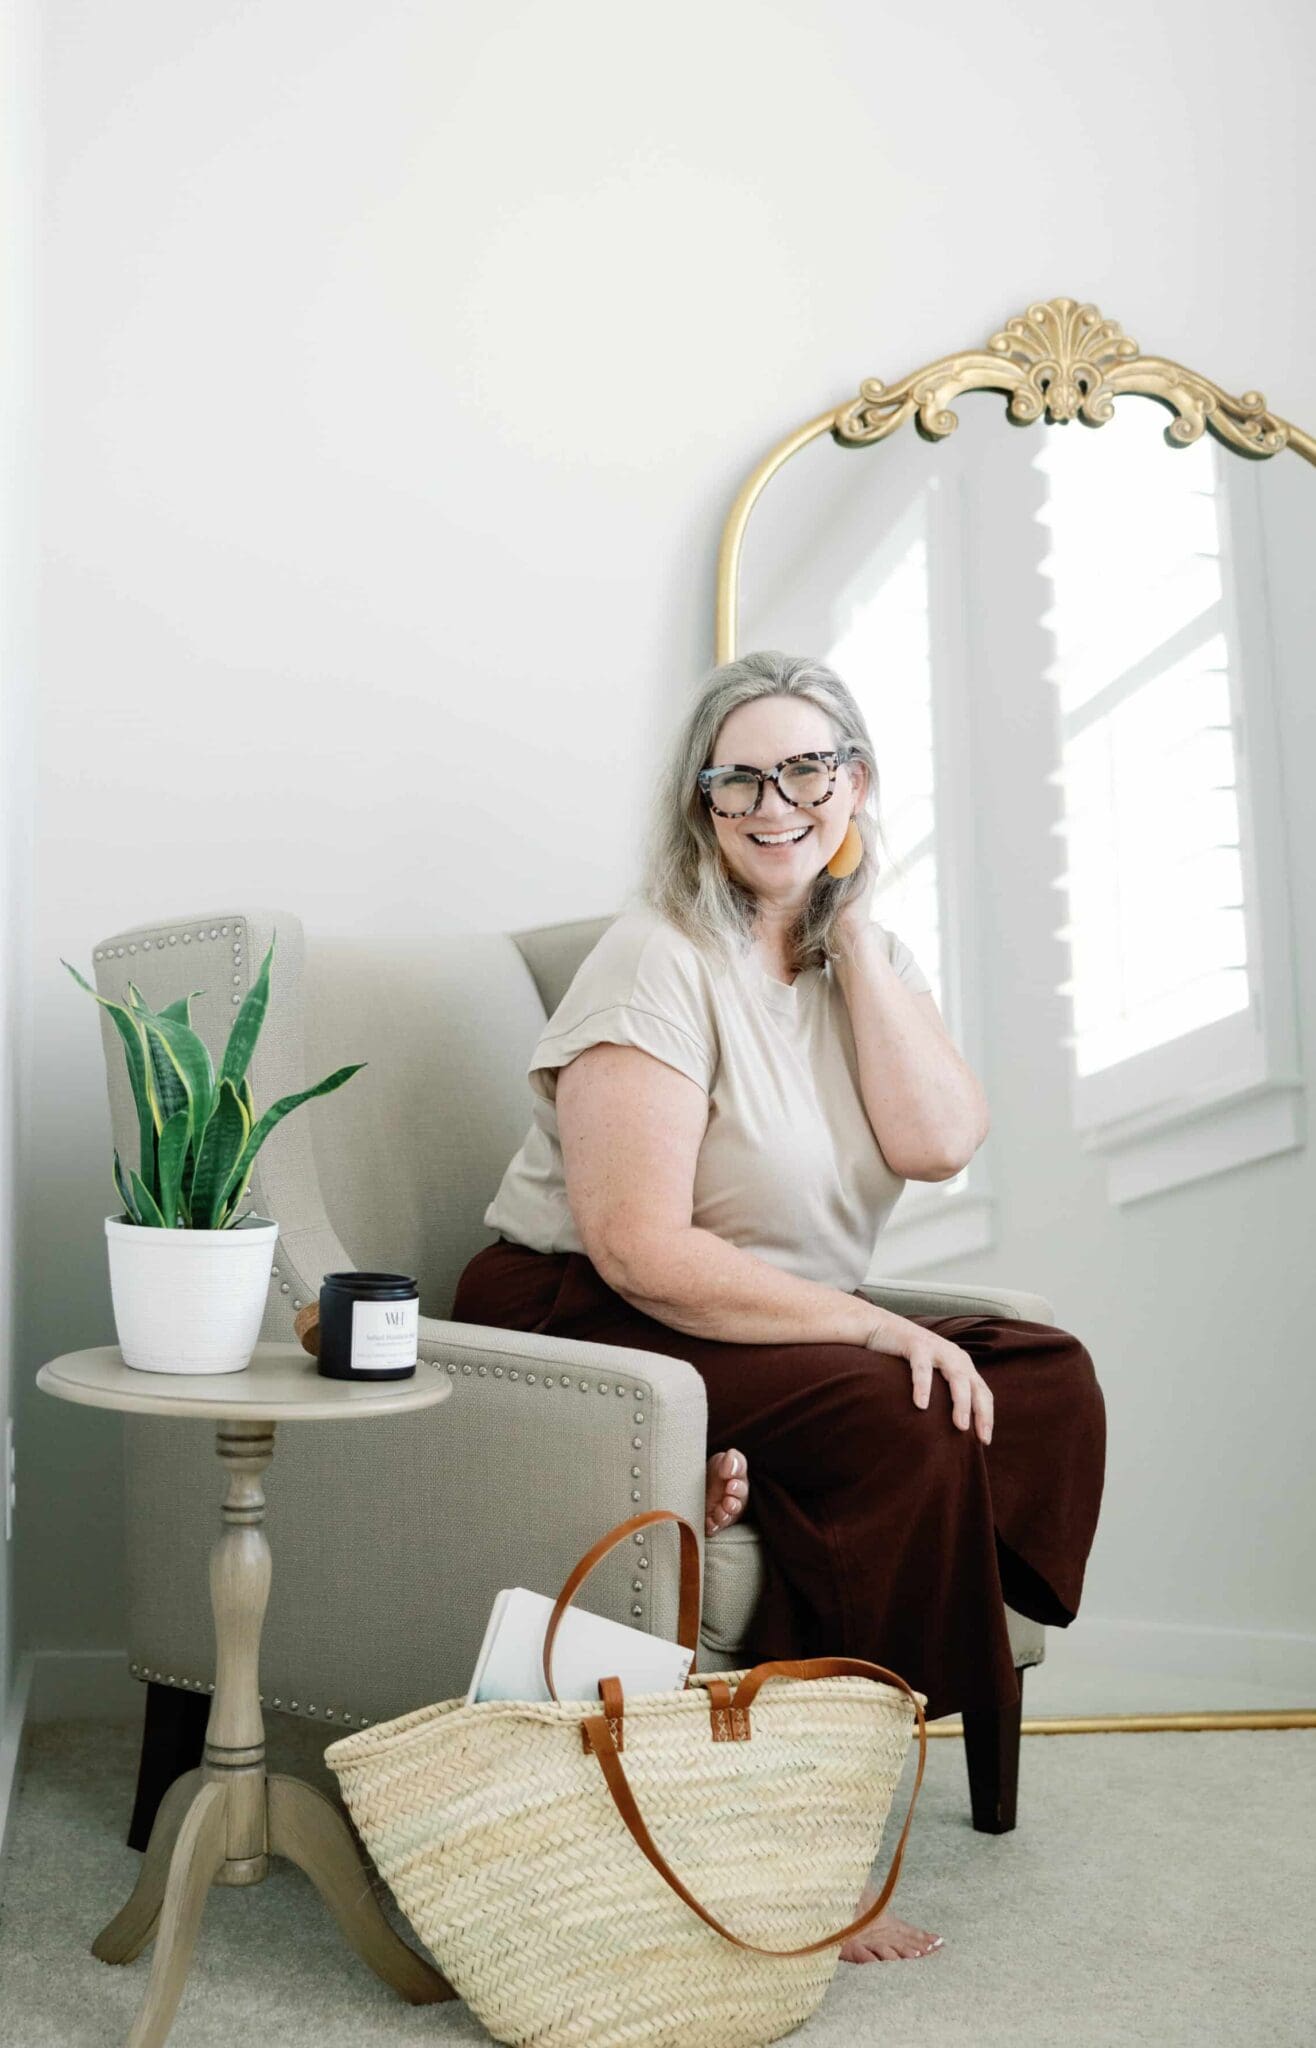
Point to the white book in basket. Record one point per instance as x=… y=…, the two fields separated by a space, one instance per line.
x=587 y=1647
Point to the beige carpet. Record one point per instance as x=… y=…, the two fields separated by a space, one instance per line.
x=1157 y=1890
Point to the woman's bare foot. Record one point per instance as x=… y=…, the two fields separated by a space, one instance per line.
x=886 y=1939
x=726 y=1490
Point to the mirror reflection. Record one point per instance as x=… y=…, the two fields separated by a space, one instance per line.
x=1080 y=652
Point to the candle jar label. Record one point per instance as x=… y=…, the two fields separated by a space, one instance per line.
x=385 y=1335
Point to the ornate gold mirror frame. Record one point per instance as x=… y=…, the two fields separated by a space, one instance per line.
x=1058 y=361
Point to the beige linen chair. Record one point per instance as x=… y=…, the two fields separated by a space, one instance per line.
x=388 y=1549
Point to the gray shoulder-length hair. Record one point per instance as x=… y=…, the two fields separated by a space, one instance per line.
x=685 y=877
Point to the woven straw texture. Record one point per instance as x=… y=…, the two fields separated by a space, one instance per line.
x=496 y=1832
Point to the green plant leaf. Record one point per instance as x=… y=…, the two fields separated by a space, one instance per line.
x=246 y=1025
x=148 y=1207
x=180 y=1011
x=276 y=1113
x=173 y=1150
x=190 y=1060
x=168 y=1083
x=226 y=1135
x=167 y=1091
x=232 y=1200
x=134 y=1044
x=130 y=1207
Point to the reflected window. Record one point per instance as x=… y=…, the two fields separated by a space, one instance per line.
x=1145 y=631
x=884 y=651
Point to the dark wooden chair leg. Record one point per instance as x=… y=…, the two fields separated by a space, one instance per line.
x=991 y=1750
x=173 y=1737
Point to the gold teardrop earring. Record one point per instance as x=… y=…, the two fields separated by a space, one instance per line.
x=848 y=854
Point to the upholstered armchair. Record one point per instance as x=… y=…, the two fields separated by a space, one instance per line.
x=388 y=1553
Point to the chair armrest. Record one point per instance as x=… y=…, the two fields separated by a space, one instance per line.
x=660 y=1400
x=390 y=1537
x=921 y=1298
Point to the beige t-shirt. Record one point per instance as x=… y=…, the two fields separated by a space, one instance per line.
x=788 y=1166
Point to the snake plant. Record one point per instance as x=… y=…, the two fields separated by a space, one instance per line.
x=198 y=1131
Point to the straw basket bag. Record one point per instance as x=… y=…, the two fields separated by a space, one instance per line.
x=528 y=1843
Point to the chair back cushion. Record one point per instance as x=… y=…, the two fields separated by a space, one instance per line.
x=409 y=1152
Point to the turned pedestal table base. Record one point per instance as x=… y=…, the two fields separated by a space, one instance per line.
x=221 y=1823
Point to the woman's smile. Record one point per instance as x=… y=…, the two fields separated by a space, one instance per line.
x=790 y=835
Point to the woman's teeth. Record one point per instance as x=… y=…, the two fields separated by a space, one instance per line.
x=779 y=838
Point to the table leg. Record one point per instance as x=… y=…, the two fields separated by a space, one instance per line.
x=135 y=1922
x=198 y=1855
x=218 y=1825
x=306 y=1827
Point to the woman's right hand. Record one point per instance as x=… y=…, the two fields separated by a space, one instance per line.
x=971 y=1397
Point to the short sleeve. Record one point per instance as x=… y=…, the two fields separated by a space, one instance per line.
x=903 y=961
x=642 y=985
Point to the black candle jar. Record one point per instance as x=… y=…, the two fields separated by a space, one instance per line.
x=369 y=1326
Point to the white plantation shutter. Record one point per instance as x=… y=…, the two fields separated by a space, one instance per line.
x=884 y=650
x=1147 y=655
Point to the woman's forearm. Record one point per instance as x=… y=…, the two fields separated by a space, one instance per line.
x=926 y=1106
x=695 y=1281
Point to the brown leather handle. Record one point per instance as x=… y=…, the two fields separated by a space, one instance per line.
x=687 y=1627
x=599 y=1736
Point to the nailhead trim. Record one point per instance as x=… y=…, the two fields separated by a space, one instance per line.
x=635 y=1496
x=637 y=1610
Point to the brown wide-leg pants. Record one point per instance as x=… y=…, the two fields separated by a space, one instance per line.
x=887 y=1533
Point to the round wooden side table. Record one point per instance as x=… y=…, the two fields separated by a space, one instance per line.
x=221 y=1823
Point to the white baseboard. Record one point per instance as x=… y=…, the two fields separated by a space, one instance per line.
x=84 y=1685
x=11 y=1751
x=61 y=1685
x=1099 y=1666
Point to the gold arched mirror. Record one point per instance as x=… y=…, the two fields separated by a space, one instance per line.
x=1081 y=625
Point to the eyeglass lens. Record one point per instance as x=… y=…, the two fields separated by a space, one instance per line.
x=735 y=792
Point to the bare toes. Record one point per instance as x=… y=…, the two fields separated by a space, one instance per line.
x=727 y=1490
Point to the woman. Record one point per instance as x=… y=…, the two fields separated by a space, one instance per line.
x=729 y=1099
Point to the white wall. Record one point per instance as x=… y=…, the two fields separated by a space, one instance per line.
x=400 y=364
x=17 y=554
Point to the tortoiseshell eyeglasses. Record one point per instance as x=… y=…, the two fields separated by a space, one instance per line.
x=735 y=791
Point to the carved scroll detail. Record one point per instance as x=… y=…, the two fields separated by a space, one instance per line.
x=1060 y=360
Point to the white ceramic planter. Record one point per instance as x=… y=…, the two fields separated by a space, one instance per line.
x=189 y=1300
